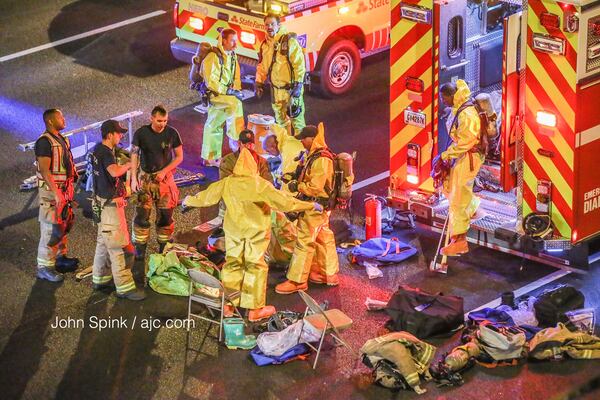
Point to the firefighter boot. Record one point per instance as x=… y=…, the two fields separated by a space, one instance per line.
x=289 y=287
x=260 y=313
x=458 y=245
x=66 y=264
x=234 y=335
x=329 y=280
x=228 y=311
x=140 y=251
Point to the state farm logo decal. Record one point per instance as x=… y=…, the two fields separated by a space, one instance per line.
x=363 y=7
x=247 y=22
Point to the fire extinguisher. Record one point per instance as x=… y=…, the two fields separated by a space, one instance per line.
x=373 y=215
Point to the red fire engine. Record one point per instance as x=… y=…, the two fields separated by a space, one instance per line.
x=539 y=61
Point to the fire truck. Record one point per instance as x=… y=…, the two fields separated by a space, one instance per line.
x=335 y=35
x=539 y=61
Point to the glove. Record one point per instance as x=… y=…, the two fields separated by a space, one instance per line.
x=236 y=93
x=259 y=89
x=293 y=186
x=297 y=89
x=318 y=207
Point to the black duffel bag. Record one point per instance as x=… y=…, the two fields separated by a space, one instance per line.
x=424 y=314
x=551 y=306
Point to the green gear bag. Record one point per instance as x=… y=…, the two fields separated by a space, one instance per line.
x=167 y=274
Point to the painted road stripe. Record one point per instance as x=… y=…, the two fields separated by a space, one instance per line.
x=81 y=35
x=525 y=289
x=371 y=180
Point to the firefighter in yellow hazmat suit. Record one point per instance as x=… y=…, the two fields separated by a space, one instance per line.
x=281 y=60
x=467 y=159
x=315 y=257
x=247 y=221
x=281 y=144
x=221 y=73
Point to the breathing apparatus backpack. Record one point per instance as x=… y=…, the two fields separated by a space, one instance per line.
x=197 y=79
x=342 y=179
x=487 y=116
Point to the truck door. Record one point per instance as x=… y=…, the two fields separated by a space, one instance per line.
x=453 y=37
x=513 y=97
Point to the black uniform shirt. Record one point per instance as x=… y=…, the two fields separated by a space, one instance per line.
x=156 y=149
x=105 y=185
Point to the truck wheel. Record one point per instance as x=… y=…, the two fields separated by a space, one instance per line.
x=339 y=69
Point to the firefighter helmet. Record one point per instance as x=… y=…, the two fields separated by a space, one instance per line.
x=538 y=225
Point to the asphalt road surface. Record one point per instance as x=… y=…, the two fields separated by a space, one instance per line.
x=130 y=68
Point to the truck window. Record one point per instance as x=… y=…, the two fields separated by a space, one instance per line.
x=455 y=35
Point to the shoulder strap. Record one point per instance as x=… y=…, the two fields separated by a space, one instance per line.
x=466 y=104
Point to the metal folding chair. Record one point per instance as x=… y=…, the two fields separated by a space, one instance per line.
x=329 y=322
x=213 y=298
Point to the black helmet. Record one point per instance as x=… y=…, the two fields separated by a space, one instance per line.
x=294 y=109
x=538 y=225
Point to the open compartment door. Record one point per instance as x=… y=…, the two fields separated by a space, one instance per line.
x=513 y=65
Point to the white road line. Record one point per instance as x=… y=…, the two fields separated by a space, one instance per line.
x=371 y=180
x=81 y=35
x=525 y=289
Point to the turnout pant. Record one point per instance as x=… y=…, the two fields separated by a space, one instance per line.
x=245 y=269
x=315 y=248
x=164 y=196
x=226 y=110
x=114 y=252
x=280 y=101
x=46 y=255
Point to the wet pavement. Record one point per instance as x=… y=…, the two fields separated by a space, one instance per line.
x=126 y=361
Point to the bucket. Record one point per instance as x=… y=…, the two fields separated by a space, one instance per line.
x=261 y=126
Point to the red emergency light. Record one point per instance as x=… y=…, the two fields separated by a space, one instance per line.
x=550 y=21
x=415 y=84
x=176 y=14
x=595 y=26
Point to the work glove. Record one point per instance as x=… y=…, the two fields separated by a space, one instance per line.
x=293 y=186
x=318 y=207
x=236 y=93
x=297 y=89
x=259 y=89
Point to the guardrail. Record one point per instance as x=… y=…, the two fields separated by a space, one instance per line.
x=31 y=182
x=96 y=125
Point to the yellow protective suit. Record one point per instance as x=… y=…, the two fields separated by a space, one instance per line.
x=223 y=108
x=458 y=188
x=315 y=246
x=247 y=222
x=273 y=60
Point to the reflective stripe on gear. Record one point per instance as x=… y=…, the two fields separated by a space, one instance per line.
x=57 y=165
x=168 y=198
x=100 y=280
x=110 y=258
x=46 y=255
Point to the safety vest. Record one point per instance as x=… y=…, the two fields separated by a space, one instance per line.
x=57 y=164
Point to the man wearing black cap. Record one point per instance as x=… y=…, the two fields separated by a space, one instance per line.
x=114 y=251
x=246 y=139
x=315 y=257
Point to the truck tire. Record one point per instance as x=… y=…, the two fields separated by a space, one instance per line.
x=338 y=69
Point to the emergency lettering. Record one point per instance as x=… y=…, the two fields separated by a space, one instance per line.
x=591 y=200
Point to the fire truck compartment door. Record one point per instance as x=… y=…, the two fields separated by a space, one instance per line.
x=512 y=106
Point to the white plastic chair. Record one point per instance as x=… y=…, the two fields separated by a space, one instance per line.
x=213 y=304
x=329 y=322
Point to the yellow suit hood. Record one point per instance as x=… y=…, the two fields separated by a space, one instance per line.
x=245 y=165
x=463 y=93
x=319 y=141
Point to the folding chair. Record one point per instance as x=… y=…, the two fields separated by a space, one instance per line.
x=213 y=298
x=330 y=322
